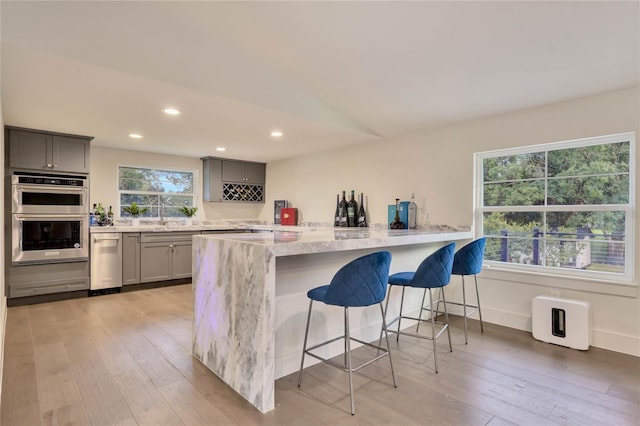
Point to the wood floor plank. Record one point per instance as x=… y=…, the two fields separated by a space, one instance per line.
x=59 y=396
x=101 y=397
x=191 y=406
x=159 y=370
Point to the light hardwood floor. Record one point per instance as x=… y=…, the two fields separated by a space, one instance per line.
x=125 y=359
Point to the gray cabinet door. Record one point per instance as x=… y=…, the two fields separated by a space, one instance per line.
x=42 y=151
x=182 y=259
x=28 y=150
x=155 y=262
x=130 y=258
x=70 y=154
x=212 y=179
x=233 y=171
x=254 y=173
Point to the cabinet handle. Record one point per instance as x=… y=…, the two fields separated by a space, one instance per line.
x=49 y=165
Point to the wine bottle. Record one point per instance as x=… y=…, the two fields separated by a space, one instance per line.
x=397 y=223
x=362 y=216
x=413 y=212
x=343 y=210
x=336 y=221
x=352 y=210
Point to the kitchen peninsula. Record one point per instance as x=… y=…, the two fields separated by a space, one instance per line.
x=250 y=301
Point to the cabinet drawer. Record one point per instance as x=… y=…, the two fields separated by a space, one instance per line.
x=152 y=237
x=34 y=289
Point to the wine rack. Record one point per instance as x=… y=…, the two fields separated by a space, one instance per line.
x=242 y=192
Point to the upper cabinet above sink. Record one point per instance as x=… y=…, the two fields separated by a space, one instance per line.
x=233 y=181
x=39 y=150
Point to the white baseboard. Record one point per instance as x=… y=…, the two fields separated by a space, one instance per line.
x=604 y=339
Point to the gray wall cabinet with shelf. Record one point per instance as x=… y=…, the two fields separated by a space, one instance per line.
x=39 y=150
x=165 y=256
x=233 y=180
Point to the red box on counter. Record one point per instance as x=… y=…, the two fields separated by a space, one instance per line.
x=289 y=216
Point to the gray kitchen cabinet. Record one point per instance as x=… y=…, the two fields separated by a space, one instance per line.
x=182 y=259
x=48 y=151
x=243 y=171
x=233 y=180
x=165 y=256
x=155 y=262
x=130 y=258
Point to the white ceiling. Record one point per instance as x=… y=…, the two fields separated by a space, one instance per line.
x=325 y=73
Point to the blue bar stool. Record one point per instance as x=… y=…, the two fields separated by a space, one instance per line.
x=433 y=272
x=361 y=282
x=468 y=261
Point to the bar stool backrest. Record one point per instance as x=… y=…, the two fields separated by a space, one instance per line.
x=468 y=260
x=361 y=282
x=435 y=270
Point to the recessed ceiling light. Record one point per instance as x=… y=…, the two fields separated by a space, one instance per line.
x=135 y=135
x=171 y=111
x=276 y=133
x=221 y=149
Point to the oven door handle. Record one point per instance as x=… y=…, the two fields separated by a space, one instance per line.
x=49 y=216
x=49 y=188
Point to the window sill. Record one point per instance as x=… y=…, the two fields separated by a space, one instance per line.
x=560 y=281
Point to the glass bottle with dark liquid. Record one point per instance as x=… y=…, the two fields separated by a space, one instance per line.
x=397 y=223
x=352 y=210
x=362 y=216
x=343 y=210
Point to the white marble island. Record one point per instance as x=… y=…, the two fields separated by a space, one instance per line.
x=250 y=297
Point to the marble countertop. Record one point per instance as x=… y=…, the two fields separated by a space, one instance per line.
x=306 y=240
x=178 y=227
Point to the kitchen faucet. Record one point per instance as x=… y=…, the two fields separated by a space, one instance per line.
x=163 y=220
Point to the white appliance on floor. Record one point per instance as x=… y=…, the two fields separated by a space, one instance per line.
x=564 y=322
x=106 y=260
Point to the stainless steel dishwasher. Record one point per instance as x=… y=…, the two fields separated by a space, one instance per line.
x=106 y=260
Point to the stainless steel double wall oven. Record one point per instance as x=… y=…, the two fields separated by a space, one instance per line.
x=50 y=222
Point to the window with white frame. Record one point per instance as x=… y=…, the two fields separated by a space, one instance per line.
x=151 y=189
x=564 y=208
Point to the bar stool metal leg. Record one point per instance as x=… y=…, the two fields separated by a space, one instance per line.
x=400 y=316
x=475 y=277
x=304 y=345
x=464 y=310
x=424 y=294
x=433 y=331
x=446 y=318
x=386 y=336
x=348 y=344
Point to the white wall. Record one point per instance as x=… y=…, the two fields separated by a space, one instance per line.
x=104 y=181
x=3 y=298
x=438 y=166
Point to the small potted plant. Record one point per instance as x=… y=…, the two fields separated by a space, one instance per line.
x=135 y=211
x=189 y=212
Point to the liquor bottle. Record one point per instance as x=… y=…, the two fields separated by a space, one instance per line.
x=343 y=210
x=92 y=216
x=352 y=210
x=397 y=223
x=413 y=212
x=362 y=216
x=336 y=221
